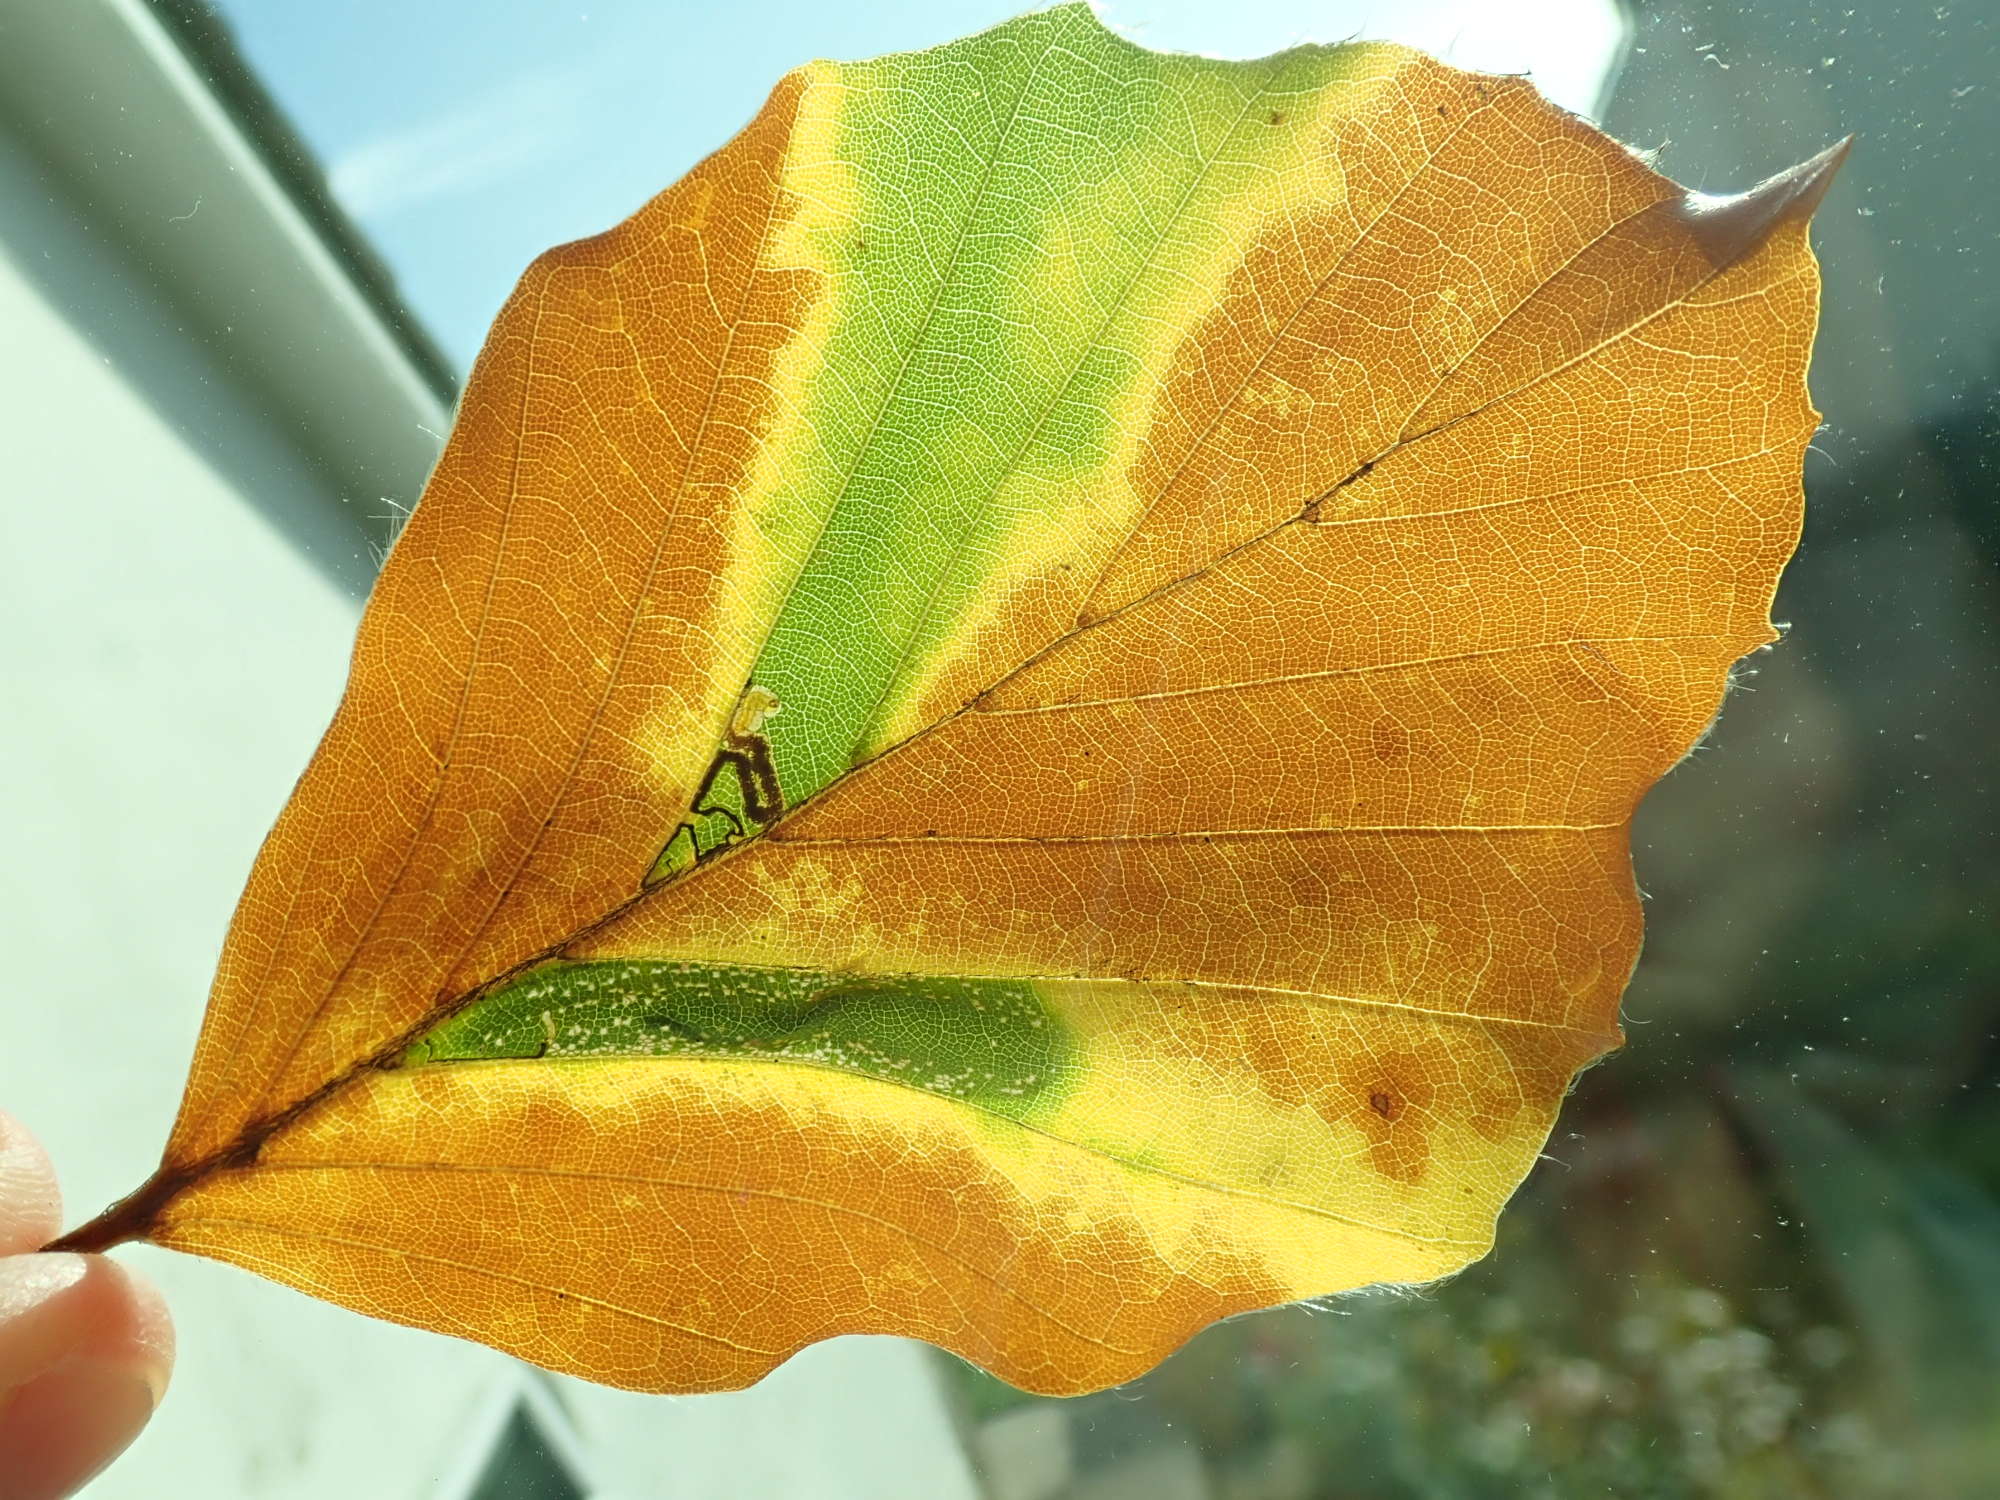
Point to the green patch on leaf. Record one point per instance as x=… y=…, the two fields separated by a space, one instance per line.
x=987 y=1041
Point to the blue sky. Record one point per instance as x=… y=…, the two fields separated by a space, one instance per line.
x=466 y=136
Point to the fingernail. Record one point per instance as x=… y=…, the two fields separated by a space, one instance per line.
x=66 y=1424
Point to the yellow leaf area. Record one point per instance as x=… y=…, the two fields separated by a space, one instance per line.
x=1011 y=718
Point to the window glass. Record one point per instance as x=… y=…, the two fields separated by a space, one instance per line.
x=1761 y=1255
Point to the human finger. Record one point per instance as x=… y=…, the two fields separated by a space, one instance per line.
x=85 y=1351
x=30 y=1205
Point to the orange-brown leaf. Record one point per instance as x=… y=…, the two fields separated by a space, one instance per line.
x=1011 y=717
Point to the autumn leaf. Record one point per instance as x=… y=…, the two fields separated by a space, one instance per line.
x=1011 y=717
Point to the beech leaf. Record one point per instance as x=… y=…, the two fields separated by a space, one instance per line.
x=1011 y=717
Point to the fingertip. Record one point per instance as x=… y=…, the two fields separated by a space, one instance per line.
x=86 y=1349
x=30 y=1203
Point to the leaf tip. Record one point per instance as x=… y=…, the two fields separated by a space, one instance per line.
x=1730 y=227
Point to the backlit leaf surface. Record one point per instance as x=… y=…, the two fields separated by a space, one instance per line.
x=1011 y=717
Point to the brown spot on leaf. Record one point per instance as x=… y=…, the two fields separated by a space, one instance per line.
x=1398 y=1136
